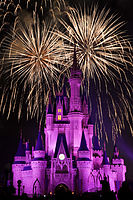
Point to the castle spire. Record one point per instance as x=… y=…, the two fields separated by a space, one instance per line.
x=75 y=82
x=83 y=145
x=75 y=69
x=21 y=149
x=39 y=144
x=95 y=142
x=105 y=159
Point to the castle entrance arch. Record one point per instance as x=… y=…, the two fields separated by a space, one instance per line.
x=61 y=188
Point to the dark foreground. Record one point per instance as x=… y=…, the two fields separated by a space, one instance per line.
x=124 y=193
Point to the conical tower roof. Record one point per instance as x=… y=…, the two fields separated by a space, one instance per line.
x=21 y=148
x=83 y=145
x=105 y=159
x=96 y=145
x=39 y=144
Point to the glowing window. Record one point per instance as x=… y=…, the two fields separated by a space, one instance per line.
x=61 y=156
x=59 y=110
x=59 y=117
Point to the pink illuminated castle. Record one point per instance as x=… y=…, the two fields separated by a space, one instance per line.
x=69 y=159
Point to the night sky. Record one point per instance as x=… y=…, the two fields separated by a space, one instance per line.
x=10 y=130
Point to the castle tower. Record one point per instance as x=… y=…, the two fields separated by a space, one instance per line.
x=97 y=153
x=38 y=165
x=84 y=165
x=18 y=165
x=119 y=167
x=27 y=172
x=75 y=83
x=75 y=115
x=107 y=172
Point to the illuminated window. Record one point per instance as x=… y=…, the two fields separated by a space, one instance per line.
x=59 y=117
x=59 y=110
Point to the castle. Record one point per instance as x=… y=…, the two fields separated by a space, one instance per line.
x=70 y=159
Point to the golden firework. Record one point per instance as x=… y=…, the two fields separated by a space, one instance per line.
x=104 y=55
x=33 y=55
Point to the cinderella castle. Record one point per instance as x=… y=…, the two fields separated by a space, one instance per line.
x=69 y=158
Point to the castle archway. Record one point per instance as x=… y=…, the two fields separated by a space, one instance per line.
x=61 y=188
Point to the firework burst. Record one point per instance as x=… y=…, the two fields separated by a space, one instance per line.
x=104 y=56
x=32 y=55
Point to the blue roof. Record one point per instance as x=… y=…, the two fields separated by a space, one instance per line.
x=95 y=143
x=39 y=144
x=38 y=159
x=27 y=168
x=105 y=160
x=61 y=137
x=83 y=145
x=83 y=159
x=21 y=148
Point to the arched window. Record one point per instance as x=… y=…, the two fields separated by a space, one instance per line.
x=65 y=169
x=91 y=183
x=37 y=187
x=98 y=179
x=58 y=169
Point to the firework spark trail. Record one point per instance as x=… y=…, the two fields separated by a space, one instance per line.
x=33 y=58
x=104 y=54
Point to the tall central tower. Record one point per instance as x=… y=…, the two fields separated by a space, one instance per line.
x=75 y=83
x=75 y=115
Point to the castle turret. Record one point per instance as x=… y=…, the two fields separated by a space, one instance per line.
x=19 y=162
x=84 y=165
x=39 y=148
x=97 y=153
x=38 y=165
x=110 y=175
x=119 y=167
x=27 y=172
